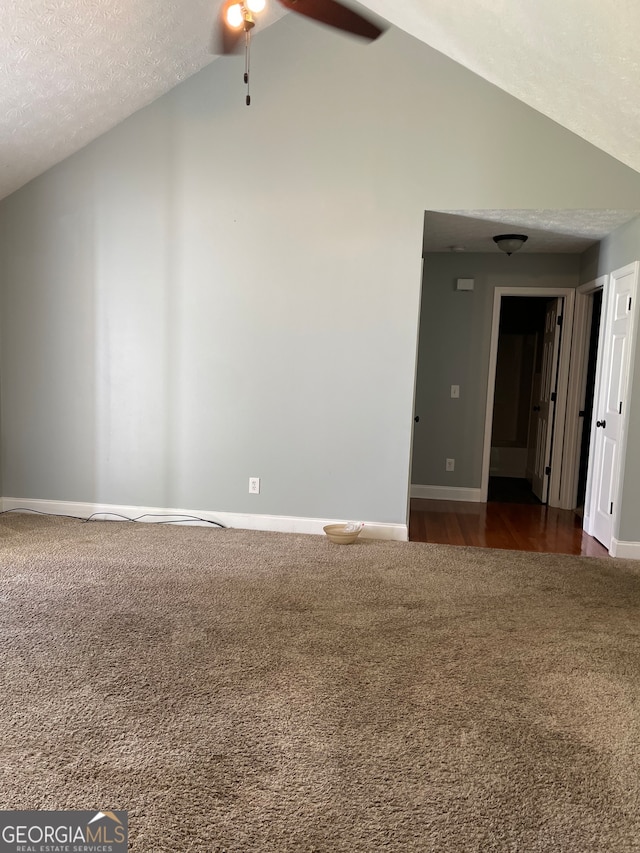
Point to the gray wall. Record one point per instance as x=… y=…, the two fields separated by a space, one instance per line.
x=210 y=292
x=622 y=247
x=454 y=343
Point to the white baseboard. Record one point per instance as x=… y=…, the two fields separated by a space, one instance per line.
x=446 y=493
x=248 y=521
x=627 y=550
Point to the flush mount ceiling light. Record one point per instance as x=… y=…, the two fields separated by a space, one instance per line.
x=510 y=243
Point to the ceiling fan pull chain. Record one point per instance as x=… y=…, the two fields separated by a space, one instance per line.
x=247 y=63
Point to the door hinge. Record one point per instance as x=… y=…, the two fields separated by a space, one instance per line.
x=611 y=509
x=620 y=408
x=629 y=305
x=559 y=321
x=553 y=396
x=547 y=470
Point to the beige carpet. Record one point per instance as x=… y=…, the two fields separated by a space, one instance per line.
x=241 y=691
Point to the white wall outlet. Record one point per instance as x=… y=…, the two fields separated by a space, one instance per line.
x=254 y=485
x=455 y=392
x=450 y=465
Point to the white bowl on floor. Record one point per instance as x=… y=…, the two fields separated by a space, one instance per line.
x=339 y=535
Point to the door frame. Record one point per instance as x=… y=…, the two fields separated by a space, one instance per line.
x=578 y=389
x=568 y=293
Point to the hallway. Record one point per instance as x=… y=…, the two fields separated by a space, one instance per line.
x=515 y=526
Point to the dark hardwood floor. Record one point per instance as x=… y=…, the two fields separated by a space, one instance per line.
x=520 y=527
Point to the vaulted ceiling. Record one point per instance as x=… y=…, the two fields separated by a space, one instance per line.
x=72 y=69
x=576 y=61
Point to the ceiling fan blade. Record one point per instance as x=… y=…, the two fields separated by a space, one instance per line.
x=225 y=39
x=336 y=15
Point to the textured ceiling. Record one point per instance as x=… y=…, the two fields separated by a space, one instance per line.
x=72 y=69
x=549 y=231
x=576 y=61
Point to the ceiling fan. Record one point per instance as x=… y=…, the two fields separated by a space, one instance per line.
x=237 y=21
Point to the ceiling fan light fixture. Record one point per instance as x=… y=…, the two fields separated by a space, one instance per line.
x=255 y=5
x=510 y=243
x=235 y=16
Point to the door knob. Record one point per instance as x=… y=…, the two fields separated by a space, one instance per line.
x=601 y=423
x=417 y=418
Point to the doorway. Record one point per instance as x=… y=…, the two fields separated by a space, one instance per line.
x=517 y=401
x=530 y=422
x=458 y=350
x=586 y=412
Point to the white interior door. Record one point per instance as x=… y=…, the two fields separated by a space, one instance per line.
x=544 y=427
x=609 y=407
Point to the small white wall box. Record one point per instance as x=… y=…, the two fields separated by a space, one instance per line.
x=465 y=283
